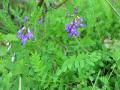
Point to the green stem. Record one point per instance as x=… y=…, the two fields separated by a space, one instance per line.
x=96 y=79
x=112 y=7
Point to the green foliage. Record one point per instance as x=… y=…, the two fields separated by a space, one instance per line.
x=52 y=60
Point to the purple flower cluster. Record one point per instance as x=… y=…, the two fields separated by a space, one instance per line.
x=72 y=28
x=24 y=34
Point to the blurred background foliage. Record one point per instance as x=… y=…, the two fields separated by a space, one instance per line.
x=53 y=61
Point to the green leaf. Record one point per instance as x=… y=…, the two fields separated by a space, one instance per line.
x=10 y=37
x=87 y=41
x=3 y=50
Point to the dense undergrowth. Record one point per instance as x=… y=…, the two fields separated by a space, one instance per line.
x=52 y=60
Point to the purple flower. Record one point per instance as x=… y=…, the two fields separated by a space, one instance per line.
x=82 y=25
x=75 y=10
x=23 y=39
x=25 y=19
x=20 y=32
x=74 y=31
x=29 y=34
x=69 y=15
x=79 y=18
x=40 y=21
x=78 y=22
x=71 y=30
x=68 y=27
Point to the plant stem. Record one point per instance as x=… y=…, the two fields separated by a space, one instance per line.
x=112 y=7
